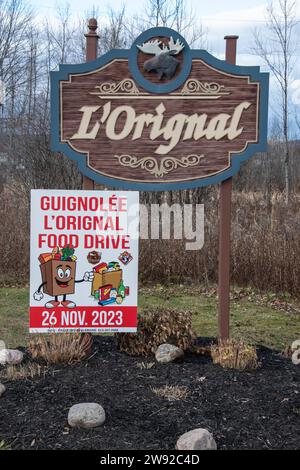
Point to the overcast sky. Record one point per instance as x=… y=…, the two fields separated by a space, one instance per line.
x=219 y=18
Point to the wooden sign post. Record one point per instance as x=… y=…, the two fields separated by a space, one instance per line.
x=91 y=54
x=224 y=230
x=161 y=116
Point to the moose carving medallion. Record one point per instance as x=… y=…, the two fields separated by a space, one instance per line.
x=164 y=62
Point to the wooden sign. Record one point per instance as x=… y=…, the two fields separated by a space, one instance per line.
x=159 y=116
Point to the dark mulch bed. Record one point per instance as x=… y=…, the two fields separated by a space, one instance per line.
x=257 y=410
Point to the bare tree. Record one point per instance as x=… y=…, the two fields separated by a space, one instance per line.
x=276 y=46
x=175 y=14
x=62 y=36
x=15 y=19
x=113 y=33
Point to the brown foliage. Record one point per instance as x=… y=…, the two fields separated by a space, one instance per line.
x=14 y=237
x=233 y=354
x=66 y=348
x=265 y=242
x=156 y=327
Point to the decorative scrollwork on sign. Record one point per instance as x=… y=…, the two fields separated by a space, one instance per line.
x=195 y=87
x=125 y=86
x=156 y=167
x=192 y=89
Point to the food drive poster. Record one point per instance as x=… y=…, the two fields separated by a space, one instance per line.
x=83 y=261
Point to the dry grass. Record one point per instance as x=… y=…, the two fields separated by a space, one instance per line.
x=233 y=354
x=145 y=365
x=171 y=392
x=21 y=372
x=66 y=348
x=265 y=245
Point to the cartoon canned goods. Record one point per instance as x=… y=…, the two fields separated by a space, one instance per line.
x=104 y=292
x=113 y=293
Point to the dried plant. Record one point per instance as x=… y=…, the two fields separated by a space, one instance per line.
x=287 y=352
x=21 y=372
x=145 y=365
x=233 y=354
x=3 y=446
x=265 y=243
x=156 y=327
x=66 y=348
x=171 y=392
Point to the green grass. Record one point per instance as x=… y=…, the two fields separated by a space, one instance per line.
x=3 y=446
x=254 y=323
x=14 y=316
x=258 y=324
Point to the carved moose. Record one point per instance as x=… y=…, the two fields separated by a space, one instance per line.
x=164 y=64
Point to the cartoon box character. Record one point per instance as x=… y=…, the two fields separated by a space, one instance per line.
x=58 y=278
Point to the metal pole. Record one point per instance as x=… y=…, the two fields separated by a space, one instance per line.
x=91 y=54
x=224 y=230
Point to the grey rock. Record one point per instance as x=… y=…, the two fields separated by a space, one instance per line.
x=167 y=353
x=197 y=439
x=86 y=415
x=11 y=356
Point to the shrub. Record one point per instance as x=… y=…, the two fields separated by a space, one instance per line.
x=66 y=348
x=233 y=354
x=156 y=327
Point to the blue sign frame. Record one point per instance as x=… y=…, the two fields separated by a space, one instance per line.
x=131 y=55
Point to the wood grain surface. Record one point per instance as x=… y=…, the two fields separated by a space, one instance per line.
x=101 y=152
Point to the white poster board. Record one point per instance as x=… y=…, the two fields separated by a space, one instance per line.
x=83 y=261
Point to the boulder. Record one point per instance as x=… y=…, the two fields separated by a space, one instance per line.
x=2 y=389
x=197 y=439
x=11 y=356
x=86 y=415
x=167 y=353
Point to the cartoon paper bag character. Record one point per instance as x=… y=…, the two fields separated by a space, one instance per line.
x=59 y=277
x=58 y=270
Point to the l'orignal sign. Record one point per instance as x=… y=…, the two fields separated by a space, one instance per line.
x=180 y=118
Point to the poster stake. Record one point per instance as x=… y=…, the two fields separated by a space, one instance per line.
x=91 y=54
x=224 y=230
